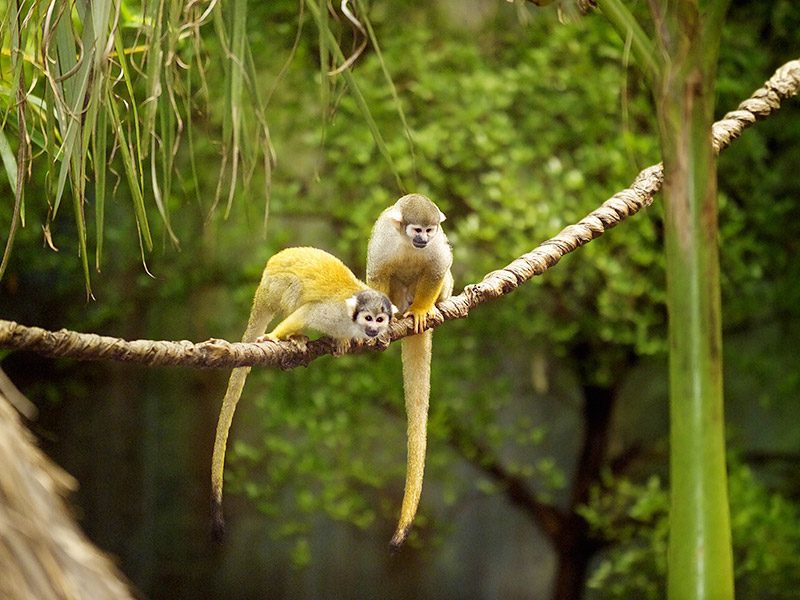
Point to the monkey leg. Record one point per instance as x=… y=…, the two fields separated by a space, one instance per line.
x=416 y=383
x=447 y=286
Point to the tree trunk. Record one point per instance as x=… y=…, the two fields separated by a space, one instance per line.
x=575 y=546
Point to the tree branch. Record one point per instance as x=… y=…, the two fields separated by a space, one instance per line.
x=517 y=489
x=214 y=353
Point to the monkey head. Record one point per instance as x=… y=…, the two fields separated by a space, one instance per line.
x=372 y=312
x=418 y=217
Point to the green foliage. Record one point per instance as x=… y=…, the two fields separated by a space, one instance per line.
x=482 y=122
x=502 y=142
x=517 y=131
x=321 y=443
x=101 y=91
x=633 y=517
x=515 y=136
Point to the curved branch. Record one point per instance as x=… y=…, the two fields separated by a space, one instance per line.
x=549 y=518
x=214 y=353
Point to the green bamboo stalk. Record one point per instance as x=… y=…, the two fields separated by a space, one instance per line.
x=700 y=563
x=681 y=67
x=700 y=557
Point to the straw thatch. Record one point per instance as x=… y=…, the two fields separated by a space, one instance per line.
x=43 y=552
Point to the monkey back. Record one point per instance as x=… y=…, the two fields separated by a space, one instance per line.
x=326 y=276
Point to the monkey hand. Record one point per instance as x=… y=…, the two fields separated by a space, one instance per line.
x=299 y=341
x=341 y=347
x=380 y=342
x=267 y=337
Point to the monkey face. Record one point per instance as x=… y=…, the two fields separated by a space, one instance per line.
x=420 y=235
x=373 y=325
x=373 y=313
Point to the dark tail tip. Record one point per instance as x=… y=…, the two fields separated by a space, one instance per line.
x=217 y=521
x=399 y=538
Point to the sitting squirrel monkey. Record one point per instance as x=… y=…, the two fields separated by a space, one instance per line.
x=311 y=289
x=409 y=258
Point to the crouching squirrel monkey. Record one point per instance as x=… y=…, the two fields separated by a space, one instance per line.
x=311 y=289
x=409 y=258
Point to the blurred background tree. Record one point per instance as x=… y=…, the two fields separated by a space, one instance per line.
x=549 y=411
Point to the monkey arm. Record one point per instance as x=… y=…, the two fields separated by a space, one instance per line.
x=427 y=292
x=294 y=323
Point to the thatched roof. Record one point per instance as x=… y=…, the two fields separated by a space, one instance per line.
x=43 y=552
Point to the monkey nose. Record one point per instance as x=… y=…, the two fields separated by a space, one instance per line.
x=371 y=332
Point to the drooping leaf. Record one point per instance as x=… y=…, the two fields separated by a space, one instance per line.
x=329 y=39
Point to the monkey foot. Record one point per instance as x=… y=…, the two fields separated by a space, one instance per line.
x=420 y=319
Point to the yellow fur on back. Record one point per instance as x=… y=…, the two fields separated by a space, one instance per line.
x=314 y=265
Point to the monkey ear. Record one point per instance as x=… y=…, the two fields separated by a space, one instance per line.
x=395 y=214
x=441 y=216
x=352 y=304
x=395 y=310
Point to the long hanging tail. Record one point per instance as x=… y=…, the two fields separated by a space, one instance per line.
x=260 y=316
x=234 y=391
x=416 y=353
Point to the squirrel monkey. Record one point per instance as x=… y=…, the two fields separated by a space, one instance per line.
x=409 y=258
x=311 y=289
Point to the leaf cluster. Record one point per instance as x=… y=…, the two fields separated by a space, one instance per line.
x=100 y=93
x=634 y=517
x=514 y=139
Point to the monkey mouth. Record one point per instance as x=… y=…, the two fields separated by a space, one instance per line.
x=371 y=332
x=419 y=243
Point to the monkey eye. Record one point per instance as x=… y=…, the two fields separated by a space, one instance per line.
x=430 y=230
x=368 y=317
x=379 y=319
x=417 y=229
